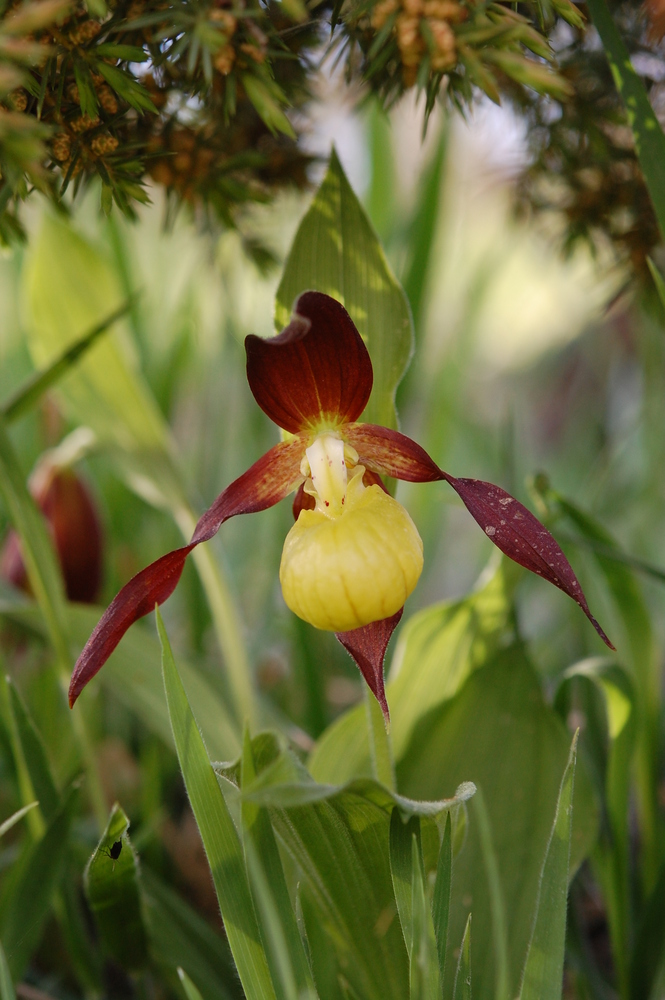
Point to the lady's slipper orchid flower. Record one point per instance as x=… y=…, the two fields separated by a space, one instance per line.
x=354 y=555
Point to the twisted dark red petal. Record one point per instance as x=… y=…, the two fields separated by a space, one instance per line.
x=367 y=646
x=391 y=453
x=268 y=481
x=522 y=537
x=317 y=369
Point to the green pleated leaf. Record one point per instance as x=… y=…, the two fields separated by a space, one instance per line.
x=178 y=936
x=7 y=991
x=543 y=972
x=415 y=917
x=462 y=989
x=218 y=833
x=336 y=251
x=498 y=715
x=111 y=883
x=436 y=651
x=495 y=895
x=648 y=135
x=28 y=892
x=340 y=839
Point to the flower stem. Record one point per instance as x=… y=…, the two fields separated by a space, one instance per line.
x=380 y=744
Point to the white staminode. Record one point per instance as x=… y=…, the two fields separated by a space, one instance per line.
x=328 y=472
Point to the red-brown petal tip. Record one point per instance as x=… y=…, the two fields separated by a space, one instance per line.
x=367 y=646
x=521 y=536
x=269 y=480
x=318 y=368
x=151 y=586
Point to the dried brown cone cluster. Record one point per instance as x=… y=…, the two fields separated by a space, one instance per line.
x=102 y=115
x=213 y=164
x=421 y=27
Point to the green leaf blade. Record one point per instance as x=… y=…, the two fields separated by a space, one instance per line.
x=27 y=895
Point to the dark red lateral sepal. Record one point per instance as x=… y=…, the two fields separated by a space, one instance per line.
x=391 y=453
x=274 y=476
x=521 y=536
x=317 y=370
x=367 y=646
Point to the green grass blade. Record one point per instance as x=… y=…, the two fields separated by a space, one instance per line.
x=632 y=608
x=401 y=835
x=648 y=135
x=497 y=904
x=36 y=545
x=46 y=582
x=218 y=834
x=422 y=229
x=649 y=950
x=180 y=937
x=7 y=991
x=190 y=989
x=69 y=285
x=614 y=760
x=272 y=931
x=15 y=817
x=26 y=791
x=462 y=990
x=337 y=251
x=406 y=868
x=112 y=890
x=133 y=675
x=34 y=754
x=658 y=280
x=26 y=396
x=28 y=893
x=285 y=952
x=424 y=981
x=543 y=971
x=441 y=898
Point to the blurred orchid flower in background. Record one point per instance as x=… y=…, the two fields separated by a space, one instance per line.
x=354 y=555
x=73 y=521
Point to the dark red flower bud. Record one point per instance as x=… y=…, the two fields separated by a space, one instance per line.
x=75 y=528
